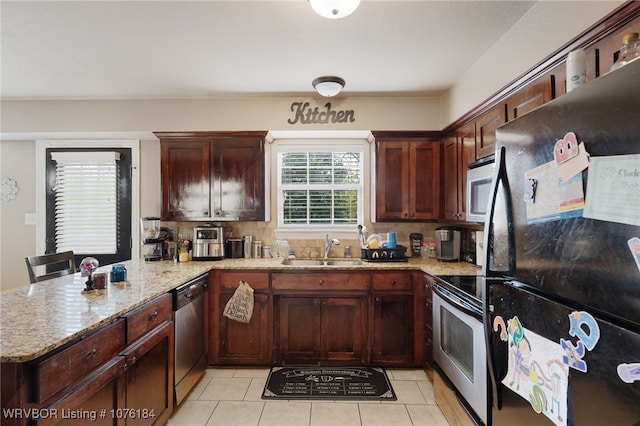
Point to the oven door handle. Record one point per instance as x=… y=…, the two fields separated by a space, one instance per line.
x=454 y=300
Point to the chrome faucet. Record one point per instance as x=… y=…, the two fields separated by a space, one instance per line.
x=327 y=245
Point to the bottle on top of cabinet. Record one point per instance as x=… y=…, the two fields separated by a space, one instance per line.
x=629 y=51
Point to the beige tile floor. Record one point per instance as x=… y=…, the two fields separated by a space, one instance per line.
x=231 y=397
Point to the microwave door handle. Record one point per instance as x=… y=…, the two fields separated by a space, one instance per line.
x=499 y=180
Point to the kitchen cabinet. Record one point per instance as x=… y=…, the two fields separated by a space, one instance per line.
x=232 y=342
x=314 y=326
x=428 y=318
x=458 y=152
x=394 y=316
x=149 y=362
x=212 y=175
x=407 y=178
x=88 y=374
x=486 y=126
x=529 y=98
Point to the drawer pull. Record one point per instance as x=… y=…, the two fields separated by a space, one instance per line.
x=321 y=281
x=92 y=354
x=393 y=283
x=154 y=315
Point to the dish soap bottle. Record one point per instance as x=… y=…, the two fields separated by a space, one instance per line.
x=630 y=50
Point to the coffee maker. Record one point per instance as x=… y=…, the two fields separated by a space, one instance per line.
x=448 y=239
x=208 y=242
x=153 y=238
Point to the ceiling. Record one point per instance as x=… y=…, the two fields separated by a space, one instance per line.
x=215 y=48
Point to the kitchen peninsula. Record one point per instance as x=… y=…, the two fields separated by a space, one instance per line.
x=44 y=320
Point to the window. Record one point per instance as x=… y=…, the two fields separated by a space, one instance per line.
x=320 y=187
x=86 y=199
x=70 y=190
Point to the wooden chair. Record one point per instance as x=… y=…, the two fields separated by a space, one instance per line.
x=54 y=265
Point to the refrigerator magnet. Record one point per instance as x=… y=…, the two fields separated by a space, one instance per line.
x=530 y=190
x=629 y=373
x=634 y=246
x=571 y=157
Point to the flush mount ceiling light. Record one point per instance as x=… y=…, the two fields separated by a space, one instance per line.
x=328 y=85
x=334 y=9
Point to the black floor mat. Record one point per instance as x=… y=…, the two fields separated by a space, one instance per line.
x=346 y=383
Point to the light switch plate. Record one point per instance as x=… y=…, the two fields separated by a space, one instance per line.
x=29 y=218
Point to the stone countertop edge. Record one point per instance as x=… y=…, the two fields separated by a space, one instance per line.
x=38 y=318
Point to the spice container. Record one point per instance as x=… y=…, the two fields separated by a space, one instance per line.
x=257 y=249
x=118 y=273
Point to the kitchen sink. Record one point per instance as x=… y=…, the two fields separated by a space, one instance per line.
x=321 y=262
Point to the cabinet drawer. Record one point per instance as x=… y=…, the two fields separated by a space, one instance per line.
x=320 y=281
x=147 y=317
x=392 y=281
x=257 y=280
x=66 y=367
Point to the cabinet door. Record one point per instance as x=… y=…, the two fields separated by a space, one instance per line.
x=392 y=169
x=486 y=126
x=342 y=329
x=529 y=98
x=149 y=377
x=424 y=180
x=428 y=318
x=245 y=344
x=238 y=179
x=393 y=329
x=450 y=179
x=186 y=179
x=299 y=327
x=102 y=394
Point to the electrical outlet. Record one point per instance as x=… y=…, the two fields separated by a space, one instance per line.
x=29 y=218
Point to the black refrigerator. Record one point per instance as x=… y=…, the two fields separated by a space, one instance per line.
x=562 y=260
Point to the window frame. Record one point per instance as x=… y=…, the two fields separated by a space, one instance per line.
x=303 y=231
x=41 y=166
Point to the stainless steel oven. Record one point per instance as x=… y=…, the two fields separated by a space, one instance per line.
x=458 y=340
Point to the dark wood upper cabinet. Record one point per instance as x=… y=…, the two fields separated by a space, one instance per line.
x=212 y=175
x=186 y=178
x=486 y=126
x=529 y=98
x=459 y=151
x=407 y=179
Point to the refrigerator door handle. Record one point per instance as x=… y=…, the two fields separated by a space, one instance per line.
x=496 y=399
x=499 y=188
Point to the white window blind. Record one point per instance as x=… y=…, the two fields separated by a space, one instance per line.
x=86 y=202
x=320 y=187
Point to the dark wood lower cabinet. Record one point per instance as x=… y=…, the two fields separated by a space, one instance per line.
x=245 y=344
x=393 y=331
x=96 y=400
x=321 y=329
x=149 y=378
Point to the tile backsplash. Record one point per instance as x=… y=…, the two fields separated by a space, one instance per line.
x=306 y=248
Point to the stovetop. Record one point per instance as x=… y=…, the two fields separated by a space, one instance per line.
x=467 y=287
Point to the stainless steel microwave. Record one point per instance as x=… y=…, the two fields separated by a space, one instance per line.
x=479 y=178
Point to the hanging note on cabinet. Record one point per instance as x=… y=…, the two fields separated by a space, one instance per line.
x=613 y=186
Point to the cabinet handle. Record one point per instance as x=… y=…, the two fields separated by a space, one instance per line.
x=154 y=315
x=321 y=281
x=377 y=300
x=91 y=354
x=205 y=212
x=393 y=283
x=133 y=360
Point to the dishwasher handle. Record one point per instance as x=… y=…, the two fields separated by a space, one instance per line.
x=189 y=292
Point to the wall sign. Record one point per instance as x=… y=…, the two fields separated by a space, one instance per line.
x=304 y=114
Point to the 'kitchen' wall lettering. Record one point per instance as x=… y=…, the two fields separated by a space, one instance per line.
x=306 y=115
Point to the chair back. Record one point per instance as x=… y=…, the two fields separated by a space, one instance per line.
x=50 y=266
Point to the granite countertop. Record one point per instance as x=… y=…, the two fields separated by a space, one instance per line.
x=38 y=318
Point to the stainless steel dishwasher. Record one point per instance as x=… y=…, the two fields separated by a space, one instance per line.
x=190 y=302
